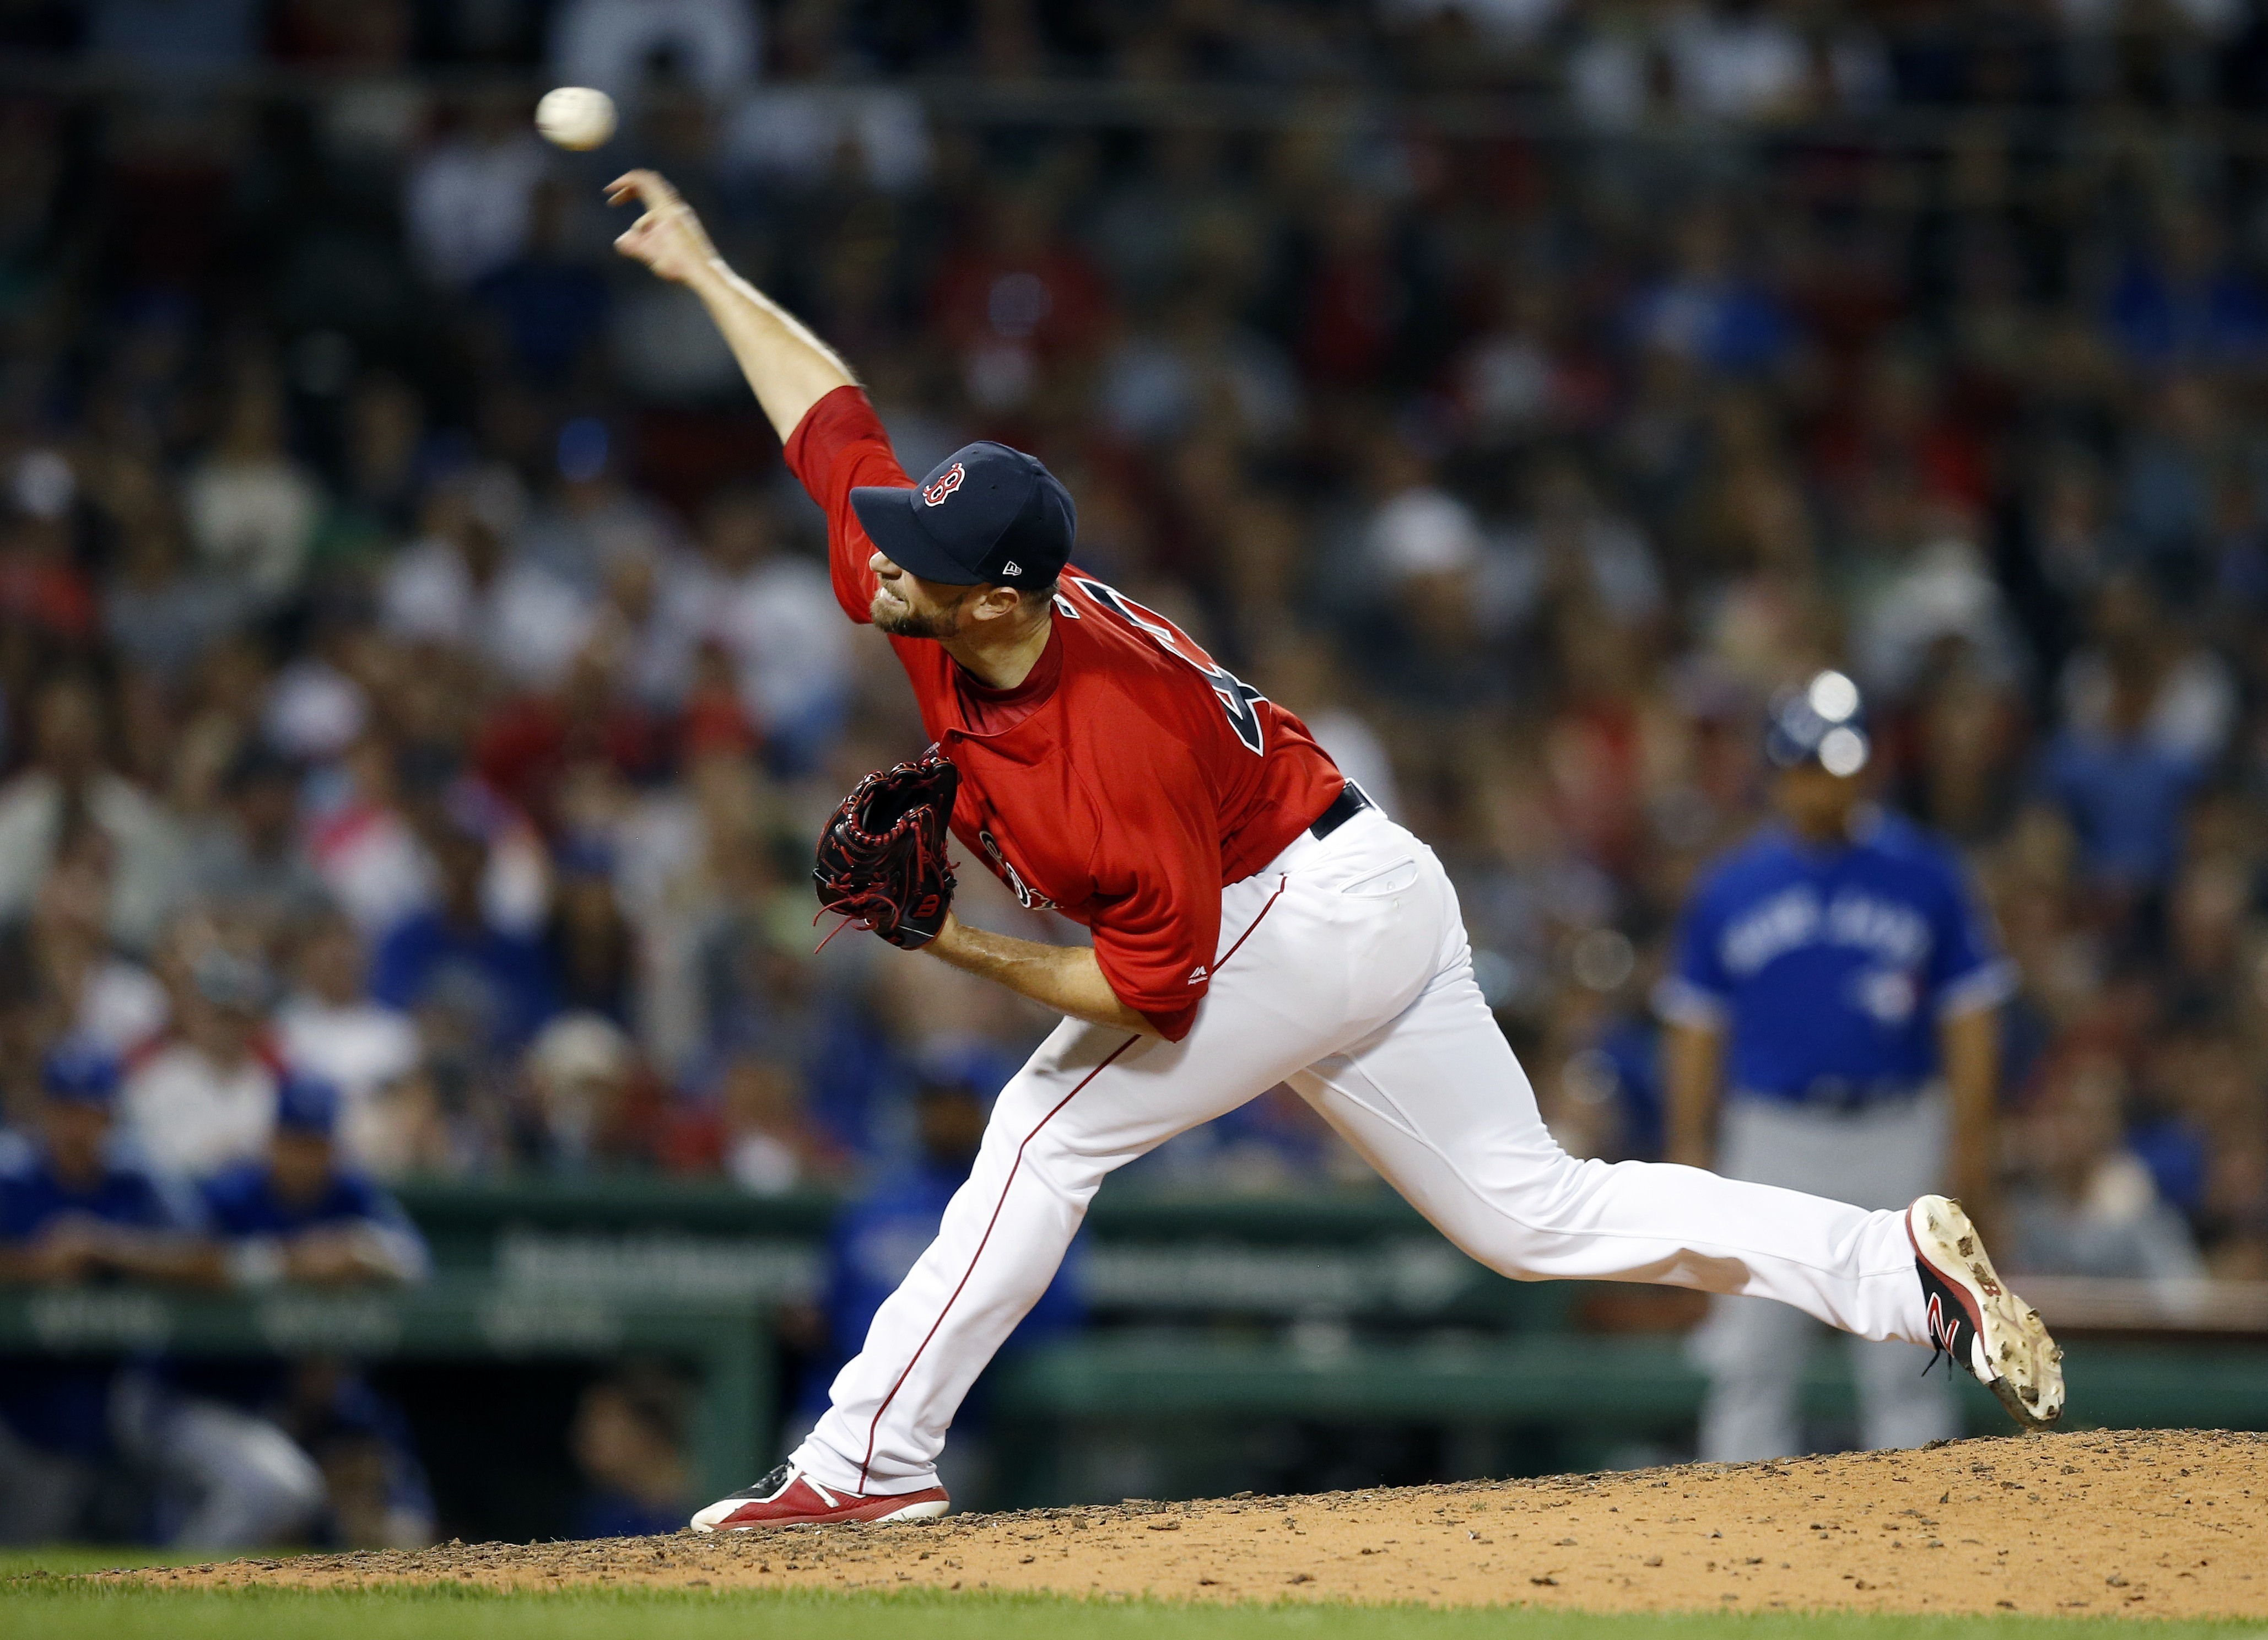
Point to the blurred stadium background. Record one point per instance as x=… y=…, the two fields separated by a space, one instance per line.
x=416 y=668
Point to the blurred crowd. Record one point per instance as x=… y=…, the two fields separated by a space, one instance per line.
x=419 y=676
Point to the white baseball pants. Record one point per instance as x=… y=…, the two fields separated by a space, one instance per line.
x=1344 y=970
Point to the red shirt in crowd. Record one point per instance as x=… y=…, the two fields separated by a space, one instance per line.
x=1124 y=782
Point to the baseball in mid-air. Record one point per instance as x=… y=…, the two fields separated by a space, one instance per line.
x=576 y=116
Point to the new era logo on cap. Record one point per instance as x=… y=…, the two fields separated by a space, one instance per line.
x=1010 y=521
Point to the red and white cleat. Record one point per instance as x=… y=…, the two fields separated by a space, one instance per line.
x=1991 y=1333
x=788 y=1498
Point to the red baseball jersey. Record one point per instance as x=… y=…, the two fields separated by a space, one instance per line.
x=1124 y=783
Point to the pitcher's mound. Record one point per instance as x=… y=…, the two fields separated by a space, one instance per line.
x=2164 y=1524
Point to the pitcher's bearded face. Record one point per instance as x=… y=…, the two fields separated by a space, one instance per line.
x=906 y=605
x=916 y=617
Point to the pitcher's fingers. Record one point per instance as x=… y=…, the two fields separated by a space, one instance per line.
x=651 y=187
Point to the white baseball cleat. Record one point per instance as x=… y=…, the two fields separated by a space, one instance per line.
x=1989 y=1332
x=788 y=1498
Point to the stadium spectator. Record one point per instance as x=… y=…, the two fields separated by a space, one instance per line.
x=161 y=611
x=2088 y=1205
x=497 y=977
x=535 y=748
x=70 y=788
x=612 y=44
x=252 y=511
x=67 y=970
x=773 y=613
x=461 y=587
x=249 y=864
x=591 y=1101
x=331 y=1028
x=589 y=943
x=757 y=1131
x=629 y=1441
x=204 y=1096
x=465 y=201
x=2142 y=722
x=548 y=306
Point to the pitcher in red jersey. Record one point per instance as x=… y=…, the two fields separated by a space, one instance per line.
x=1256 y=920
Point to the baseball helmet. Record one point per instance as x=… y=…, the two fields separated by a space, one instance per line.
x=1823 y=721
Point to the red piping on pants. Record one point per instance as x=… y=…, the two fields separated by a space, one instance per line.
x=873 y=1430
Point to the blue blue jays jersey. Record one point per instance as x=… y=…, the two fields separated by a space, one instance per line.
x=1830 y=967
x=63 y=1405
x=243 y=1207
x=31 y=1197
x=242 y=1201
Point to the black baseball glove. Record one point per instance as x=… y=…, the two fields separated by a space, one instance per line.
x=882 y=859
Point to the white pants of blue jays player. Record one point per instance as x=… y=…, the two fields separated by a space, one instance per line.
x=1343 y=969
x=1755 y=1353
x=232 y=1480
x=239 y=1480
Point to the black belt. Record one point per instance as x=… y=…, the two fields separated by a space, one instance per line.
x=1349 y=803
x=1844 y=1096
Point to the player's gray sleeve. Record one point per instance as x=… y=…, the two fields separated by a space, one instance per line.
x=1985 y=987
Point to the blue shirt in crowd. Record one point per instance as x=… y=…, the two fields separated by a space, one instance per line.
x=1831 y=967
x=64 y=1406
x=2125 y=799
x=483 y=973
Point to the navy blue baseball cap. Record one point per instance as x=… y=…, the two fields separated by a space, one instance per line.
x=986 y=515
x=1823 y=722
x=78 y=1071
x=306 y=1103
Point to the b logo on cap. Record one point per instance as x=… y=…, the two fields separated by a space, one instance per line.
x=935 y=494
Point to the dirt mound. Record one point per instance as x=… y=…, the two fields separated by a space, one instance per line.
x=2172 y=1524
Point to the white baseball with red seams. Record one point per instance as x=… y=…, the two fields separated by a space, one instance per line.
x=1344 y=970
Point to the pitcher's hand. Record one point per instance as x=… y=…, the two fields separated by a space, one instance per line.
x=668 y=238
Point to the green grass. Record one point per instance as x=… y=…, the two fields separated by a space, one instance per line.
x=66 y=1607
x=68 y=1560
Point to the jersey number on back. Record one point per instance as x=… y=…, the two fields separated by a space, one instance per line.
x=1235 y=696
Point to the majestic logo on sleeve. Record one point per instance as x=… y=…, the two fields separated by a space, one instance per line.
x=935 y=494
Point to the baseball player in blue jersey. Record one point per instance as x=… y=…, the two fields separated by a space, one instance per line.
x=1833 y=1028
